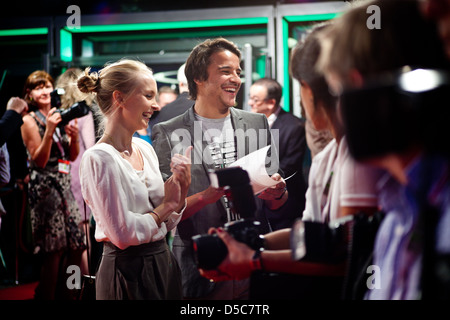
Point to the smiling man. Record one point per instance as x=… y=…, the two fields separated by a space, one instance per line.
x=220 y=134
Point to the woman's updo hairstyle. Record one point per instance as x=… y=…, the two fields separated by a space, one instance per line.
x=89 y=82
x=120 y=75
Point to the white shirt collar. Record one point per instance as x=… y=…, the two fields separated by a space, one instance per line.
x=271 y=119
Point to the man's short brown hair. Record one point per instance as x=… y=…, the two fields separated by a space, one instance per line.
x=199 y=60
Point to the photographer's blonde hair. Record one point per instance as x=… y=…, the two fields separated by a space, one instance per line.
x=68 y=82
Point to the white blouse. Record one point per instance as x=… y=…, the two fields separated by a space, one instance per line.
x=121 y=197
x=349 y=183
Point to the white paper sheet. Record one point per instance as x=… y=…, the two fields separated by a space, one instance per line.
x=254 y=164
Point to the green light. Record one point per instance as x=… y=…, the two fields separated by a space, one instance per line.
x=66 y=45
x=312 y=17
x=170 y=25
x=261 y=66
x=175 y=35
x=285 y=24
x=24 y=32
x=286 y=98
x=66 y=33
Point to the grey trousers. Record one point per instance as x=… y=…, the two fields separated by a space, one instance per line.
x=144 y=272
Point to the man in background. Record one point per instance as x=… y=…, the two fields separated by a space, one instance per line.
x=265 y=97
x=165 y=96
x=179 y=105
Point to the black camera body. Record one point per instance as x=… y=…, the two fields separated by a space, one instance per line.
x=55 y=97
x=348 y=240
x=77 y=110
x=209 y=250
x=332 y=242
x=321 y=242
x=394 y=111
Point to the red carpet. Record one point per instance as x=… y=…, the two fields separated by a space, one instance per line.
x=20 y=292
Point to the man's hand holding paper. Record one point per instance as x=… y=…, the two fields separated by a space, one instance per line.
x=265 y=186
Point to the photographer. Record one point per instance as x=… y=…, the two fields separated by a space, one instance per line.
x=55 y=217
x=337 y=187
x=87 y=136
x=394 y=95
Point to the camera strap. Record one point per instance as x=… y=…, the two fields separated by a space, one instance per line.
x=56 y=135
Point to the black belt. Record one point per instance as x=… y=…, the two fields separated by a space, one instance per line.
x=144 y=249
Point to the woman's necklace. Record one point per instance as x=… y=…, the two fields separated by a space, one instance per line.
x=110 y=139
x=137 y=163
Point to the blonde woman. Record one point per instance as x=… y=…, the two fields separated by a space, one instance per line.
x=121 y=182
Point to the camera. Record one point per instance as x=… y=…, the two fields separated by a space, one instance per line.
x=396 y=110
x=77 y=110
x=321 y=242
x=55 y=97
x=209 y=250
x=333 y=242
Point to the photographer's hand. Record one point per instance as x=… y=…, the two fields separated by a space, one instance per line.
x=53 y=119
x=72 y=131
x=211 y=194
x=200 y=199
x=238 y=263
x=39 y=147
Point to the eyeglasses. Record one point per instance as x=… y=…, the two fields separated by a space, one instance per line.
x=256 y=100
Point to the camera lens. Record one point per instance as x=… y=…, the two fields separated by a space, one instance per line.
x=77 y=110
